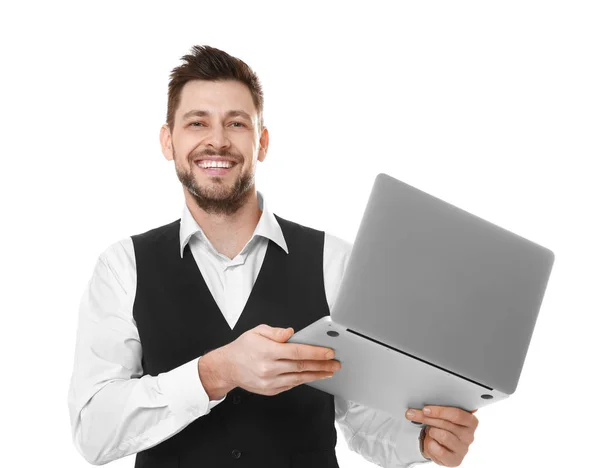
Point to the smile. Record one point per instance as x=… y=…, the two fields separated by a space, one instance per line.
x=212 y=168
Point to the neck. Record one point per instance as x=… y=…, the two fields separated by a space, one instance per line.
x=228 y=233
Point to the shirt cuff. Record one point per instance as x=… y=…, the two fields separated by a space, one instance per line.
x=407 y=447
x=418 y=456
x=184 y=390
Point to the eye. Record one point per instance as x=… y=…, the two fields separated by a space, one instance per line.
x=240 y=123
x=193 y=124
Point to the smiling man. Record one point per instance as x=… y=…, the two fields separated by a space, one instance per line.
x=182 y=355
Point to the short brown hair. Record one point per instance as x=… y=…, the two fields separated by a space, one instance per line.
x=211 y=64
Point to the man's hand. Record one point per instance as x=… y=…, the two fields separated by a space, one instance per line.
x=261 y=361
x=449 y=433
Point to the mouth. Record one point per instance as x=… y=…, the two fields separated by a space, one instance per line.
x=215 y=170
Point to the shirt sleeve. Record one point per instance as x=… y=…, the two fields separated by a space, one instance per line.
x=378 y=437
x=114 y=410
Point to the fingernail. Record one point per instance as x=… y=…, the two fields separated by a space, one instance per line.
x=410 y=413
x=427 y=410
x=330 y=354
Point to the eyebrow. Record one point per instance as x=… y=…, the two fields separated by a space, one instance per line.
x=203 y=113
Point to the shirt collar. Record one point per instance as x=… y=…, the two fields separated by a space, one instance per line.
x=267 y=227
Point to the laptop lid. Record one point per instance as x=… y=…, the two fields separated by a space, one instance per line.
x=443 y=285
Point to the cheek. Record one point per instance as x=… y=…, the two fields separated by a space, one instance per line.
x=187 y=143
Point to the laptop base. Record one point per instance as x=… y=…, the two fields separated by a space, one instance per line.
x=382 y=378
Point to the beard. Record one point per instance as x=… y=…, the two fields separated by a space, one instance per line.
x=216 y=197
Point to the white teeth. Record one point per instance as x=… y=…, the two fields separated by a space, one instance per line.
x=205 y=164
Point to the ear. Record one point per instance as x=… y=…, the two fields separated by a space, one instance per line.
x=166 y=142
x=264 y=145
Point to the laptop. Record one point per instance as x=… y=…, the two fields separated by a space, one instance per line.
x=437 y=306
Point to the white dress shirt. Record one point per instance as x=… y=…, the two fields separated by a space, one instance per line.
x=116 y=412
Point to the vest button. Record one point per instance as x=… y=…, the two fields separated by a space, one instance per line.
x=236 y=453
x=237 y=399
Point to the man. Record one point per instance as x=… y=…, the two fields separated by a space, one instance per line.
x=182 y=353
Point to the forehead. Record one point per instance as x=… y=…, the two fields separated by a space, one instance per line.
x=215 y=97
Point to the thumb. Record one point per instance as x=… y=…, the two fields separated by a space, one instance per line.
x=275 y=333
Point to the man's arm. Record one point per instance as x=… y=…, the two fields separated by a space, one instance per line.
x=114 y=411
x=379 y=438
x=212 y=381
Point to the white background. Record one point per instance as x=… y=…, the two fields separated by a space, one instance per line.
x=491 y=106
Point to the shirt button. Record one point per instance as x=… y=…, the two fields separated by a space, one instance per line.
x=237 y=399
x=236 y=453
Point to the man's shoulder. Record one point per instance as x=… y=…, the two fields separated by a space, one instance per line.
x=336 y=251
x=333 y=242
x=160 y=231
x=338 y=244
x=119 y=259
x=121 y=253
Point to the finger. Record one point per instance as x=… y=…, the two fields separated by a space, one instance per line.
x=448 y=440
x=296 y=351
x=435 y=459
x=274 y=333
x=439 y=454
x=428 y=452
x=459 y=431
x=428 y=448
x=283 y=366
x=298 y=378
x=455 y=415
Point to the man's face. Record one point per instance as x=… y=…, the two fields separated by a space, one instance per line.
x=219 y=120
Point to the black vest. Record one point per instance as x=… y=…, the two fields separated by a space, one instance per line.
x=178 y=320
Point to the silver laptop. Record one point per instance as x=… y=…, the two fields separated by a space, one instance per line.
x=437 y=306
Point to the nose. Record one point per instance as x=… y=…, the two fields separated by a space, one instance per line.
x=216 y=137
